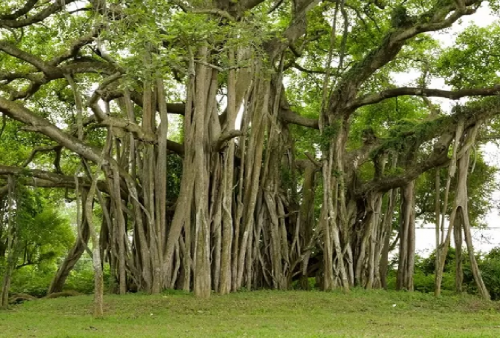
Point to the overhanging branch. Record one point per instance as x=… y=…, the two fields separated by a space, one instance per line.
x=439 y=17
x=226 y=137
x=20 y=113
x=289 y=116
x=49 y=70
x=45 y=179
x=15 y=22
x=425 y=92
x=444 y=132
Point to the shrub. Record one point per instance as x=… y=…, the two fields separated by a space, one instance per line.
x=31 y=280
x=489 y=265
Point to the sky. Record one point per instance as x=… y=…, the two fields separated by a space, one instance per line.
x=483 y=239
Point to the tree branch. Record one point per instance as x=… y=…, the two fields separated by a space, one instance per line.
x=75 y=47
x=45 y=179
x=439 y=17
x=56 y=148
x=49 y=70
x=28 y=6
x=20 y=113
x=226 y=137
x=425 y=92
x=444 y=132
x=40 y=16
x=289 y=116
x=175 y=147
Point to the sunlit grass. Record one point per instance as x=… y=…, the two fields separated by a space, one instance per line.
x=257 y=314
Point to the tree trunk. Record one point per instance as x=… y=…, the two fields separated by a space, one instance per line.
x=407 y=239
x=12 y=240
x=387 y=226
x=457 y=234
x=460 y=207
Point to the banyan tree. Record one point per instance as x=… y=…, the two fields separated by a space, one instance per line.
x=244 y=144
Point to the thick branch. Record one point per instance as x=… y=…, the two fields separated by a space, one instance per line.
x=226 y=137
x=28 y=6
x=294 y=31
x=439 y=17
x=175 y=147
x=38 y=79
x=40 y=16
x=46 y=68
x=45 y=179
x=20 y=113
x=425 y=92
x=289 y=116
x=444 y=132
x=75 y=47
x=438 y=158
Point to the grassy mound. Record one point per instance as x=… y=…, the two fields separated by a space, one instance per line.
x=19 y=298
x=69 y=293
x=257 y=314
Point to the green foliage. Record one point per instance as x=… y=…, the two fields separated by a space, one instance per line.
x=481 y=185
x=174 y=172
x=43 y=236
x=423 y=278
x=425 y=283
x=400 y=17
x=428 y=265
x=32 y=280
x=389 y=118
x=35 y=280
x=489 y=265
x=311 y=284
x=81 y=278
x=473 y=61
x=329 y=134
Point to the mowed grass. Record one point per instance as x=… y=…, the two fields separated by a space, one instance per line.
x=257 y=314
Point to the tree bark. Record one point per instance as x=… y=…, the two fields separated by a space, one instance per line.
x=407 y=239
x=12 y=240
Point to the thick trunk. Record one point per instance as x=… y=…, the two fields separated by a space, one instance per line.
x=407 y=239
x=227 y=183
x=204 y=98
x=438 y=233
x=306 y=223
x=442 y=248
x=120 y=234
x=259 y=110
x=334 y=219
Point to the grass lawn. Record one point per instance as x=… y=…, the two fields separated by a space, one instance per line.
x=257 y=314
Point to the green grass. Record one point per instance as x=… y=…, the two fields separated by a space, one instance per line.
x=257 y=314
